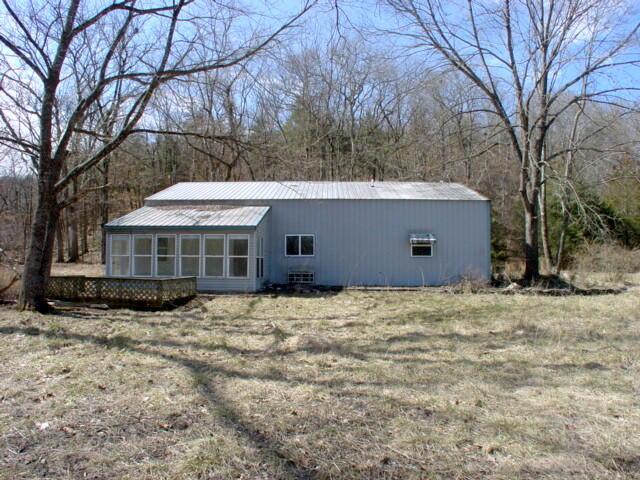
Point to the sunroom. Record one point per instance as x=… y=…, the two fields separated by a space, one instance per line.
x=222 y=246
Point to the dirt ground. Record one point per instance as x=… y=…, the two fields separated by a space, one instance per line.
x=343 y=385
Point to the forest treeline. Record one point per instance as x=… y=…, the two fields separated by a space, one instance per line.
x=346 y=112
x=532 y=103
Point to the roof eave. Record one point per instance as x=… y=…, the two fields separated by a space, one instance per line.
x=173 y=228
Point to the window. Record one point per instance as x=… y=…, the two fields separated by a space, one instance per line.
x=142 y=255
x=260 y=258
x=120 y=258
x=422 y=244
x=421 y=250
x=190 y=255
x=238 y=255
x=214 y=255
x=292 y=245
x=299 y=245
x=165 y=255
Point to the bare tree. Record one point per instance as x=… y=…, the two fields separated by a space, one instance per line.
x=526 y=56
x=60 y=61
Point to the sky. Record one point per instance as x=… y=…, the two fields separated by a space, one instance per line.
x=331 y=20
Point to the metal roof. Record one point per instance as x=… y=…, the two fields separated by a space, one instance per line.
x=291 y=190
x=191 y=217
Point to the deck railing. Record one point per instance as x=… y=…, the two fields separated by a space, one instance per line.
x=144 y=292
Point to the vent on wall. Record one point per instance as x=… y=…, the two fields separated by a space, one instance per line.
x=299 y=276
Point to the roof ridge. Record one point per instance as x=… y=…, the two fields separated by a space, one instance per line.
x=247 y=191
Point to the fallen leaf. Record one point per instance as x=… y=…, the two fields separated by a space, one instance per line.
x=42 y=426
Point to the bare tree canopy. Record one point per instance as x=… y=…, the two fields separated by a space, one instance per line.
x=78 y=77
x=532 y=102
x=529 y=59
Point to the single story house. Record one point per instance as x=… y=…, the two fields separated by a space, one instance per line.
x=239 y=236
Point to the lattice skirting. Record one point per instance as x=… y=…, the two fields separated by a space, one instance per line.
x=150 y=292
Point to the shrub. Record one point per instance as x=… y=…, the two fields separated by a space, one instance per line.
x=9 y=287
x=607 y=257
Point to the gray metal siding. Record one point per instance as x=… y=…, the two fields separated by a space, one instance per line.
x=366 y=242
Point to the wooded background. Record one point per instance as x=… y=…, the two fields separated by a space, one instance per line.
x=334 y=99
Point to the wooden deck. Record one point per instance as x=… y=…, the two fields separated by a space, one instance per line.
x=133 y=292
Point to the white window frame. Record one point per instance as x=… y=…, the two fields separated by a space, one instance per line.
x=120 y=236
x=175 y=254
x=300 y=235
x=432 y=245
x=223 y=256
x=229 y=256
x=199 y=256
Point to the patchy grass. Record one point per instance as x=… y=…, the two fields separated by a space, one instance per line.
x=87 y=269
x=7 y=275
x=350 y=385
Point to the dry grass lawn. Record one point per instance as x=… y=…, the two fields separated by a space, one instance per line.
x=351 y=385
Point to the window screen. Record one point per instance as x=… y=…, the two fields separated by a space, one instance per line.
x=421 y=250
x=260 y=258
x=165 y=256
x=190 y=256
x=142 y=255
x=238 y=256
x=292 y=245
x=120 y=260
x=214 y=256
x=306 y=245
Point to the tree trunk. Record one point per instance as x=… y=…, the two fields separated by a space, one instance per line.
x=544 y=226
x=564 y=204
x=531 y=254
x=40 y=252
x=59 y=243
x=84 y=238
x=104 y=209
x=72 y=226
x=72 y=235
x=560 y=253
x=568 y=174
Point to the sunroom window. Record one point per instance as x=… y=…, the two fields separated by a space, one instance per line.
x=190 y=255
x=260 y=258
x=165 y=255
x=120 y=258
x=238 y=255
x=142 y=255
x=214 y=255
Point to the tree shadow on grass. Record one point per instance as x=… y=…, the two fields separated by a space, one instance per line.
x=272 y=452
x=397 y=350
x=155 y=319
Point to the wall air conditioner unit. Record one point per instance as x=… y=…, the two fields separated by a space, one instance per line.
x=301 y=277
